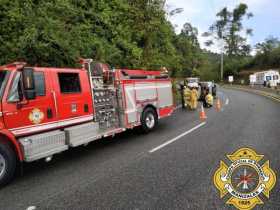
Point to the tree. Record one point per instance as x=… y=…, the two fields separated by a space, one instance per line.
x=268 y=54
x=122 y=33
x=188 y=49
x=268 y=45
x=228 y=28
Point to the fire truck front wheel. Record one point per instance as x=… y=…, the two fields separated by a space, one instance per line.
x=149 y=120
x=7 y=163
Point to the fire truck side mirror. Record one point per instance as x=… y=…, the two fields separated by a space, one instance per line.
x=28 y=83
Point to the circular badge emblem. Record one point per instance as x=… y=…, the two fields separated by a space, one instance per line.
x=245 y=179
x=36 y=116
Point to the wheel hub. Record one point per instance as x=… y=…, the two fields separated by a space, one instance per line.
x=150 y=120
x=2 y=165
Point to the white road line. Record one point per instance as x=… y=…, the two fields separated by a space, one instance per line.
x=31 y=208
x=176 y=138
x=227 y=101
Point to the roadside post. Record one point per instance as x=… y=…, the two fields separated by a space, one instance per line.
x=252 y=79
x=230 y=79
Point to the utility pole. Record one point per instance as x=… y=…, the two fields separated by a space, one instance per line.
x=222 y=58
x=163 y=4
x=222 y=66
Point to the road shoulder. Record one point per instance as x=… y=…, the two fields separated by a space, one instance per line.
x=266 y=94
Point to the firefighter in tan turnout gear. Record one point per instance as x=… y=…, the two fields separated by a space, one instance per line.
x=187 y=96
x=193 y=98
x=209 y=99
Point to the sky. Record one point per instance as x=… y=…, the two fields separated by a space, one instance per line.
x=201 y=14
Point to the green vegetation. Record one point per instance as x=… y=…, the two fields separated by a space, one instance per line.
x=123 y=33
x=268 y=55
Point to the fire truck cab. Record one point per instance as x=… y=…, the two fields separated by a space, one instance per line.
x=45 y=111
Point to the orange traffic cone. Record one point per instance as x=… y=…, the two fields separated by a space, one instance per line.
x=218 y=105
x=202 y=114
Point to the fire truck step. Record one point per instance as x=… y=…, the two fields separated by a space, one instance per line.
x=82 y=134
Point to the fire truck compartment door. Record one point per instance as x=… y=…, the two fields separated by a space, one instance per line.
x=165 y=97
x=131 y=109
x=136 y=95
x=145 y=92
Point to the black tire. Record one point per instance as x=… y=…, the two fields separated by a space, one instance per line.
x=149 y=120
x=8 y=164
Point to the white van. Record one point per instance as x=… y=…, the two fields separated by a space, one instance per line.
x=268 y=78
x=192 y=81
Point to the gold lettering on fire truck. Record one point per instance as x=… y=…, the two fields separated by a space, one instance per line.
x=36 y=116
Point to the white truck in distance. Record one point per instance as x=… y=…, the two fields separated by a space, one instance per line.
x=269 y=78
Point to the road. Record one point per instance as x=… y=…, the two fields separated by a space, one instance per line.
x=131 y=171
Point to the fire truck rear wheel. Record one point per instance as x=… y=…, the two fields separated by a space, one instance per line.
x=149 y=120
x=7 y=164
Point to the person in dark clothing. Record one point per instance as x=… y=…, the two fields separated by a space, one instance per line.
x=214 y=90
x=203 y=96
x=182 y=95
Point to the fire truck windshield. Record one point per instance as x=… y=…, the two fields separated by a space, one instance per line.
x=4 y=75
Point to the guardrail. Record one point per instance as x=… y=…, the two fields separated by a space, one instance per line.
x=269 y=93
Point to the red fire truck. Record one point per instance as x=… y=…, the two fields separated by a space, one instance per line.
x=45 y=111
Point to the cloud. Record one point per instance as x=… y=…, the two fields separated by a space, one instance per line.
x=201 y=14
x=191 y=10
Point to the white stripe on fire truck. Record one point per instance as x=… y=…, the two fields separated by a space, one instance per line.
x=51 y=125
x=147 y=87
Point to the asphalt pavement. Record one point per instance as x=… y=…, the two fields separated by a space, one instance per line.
x=170 y=168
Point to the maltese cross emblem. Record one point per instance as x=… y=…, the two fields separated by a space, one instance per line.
x=244 y=179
